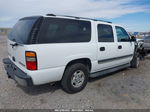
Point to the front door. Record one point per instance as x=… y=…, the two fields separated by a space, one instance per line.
x=125 y=46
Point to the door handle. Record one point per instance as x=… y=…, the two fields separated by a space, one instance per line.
x=120 y=47
x=102 y=48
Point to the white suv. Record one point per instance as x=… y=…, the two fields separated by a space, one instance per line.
x=44 y=49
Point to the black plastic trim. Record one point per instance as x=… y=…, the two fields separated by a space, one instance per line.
x=113 y=59
x=110 y=70
x=17 y=74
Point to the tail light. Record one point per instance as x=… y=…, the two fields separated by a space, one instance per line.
x=31 y=60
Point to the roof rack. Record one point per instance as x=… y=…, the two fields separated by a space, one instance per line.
x=79 y=18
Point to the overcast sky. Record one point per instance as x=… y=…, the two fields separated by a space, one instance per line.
x=133 y=14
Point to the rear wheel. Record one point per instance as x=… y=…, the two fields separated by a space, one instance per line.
x=75 y=78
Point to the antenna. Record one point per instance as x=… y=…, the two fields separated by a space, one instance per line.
x=50 y=15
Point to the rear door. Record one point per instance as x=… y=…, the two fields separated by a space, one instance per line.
x=19 y=38
x=125 y=48
x=107 y=47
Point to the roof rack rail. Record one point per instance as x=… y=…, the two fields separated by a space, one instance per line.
x=104 y=21
x=70 y=16
x=80 y=18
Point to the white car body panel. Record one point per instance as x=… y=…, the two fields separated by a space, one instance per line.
x=53 y=58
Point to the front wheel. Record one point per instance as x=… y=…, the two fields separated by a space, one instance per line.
x=135 y=61
x=75 y=78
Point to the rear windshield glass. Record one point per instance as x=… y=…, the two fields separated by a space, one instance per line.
x=58 y=30
x=147 y=37
x=21 y=30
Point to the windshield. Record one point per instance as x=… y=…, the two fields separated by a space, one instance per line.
x=21 y=30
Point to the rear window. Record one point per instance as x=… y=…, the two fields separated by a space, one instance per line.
x=21 y=31
x=57 y=30
x=105 y=33
x=147 y=37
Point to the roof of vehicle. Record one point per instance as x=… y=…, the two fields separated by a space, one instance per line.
x=30 y=17
x=73 y=17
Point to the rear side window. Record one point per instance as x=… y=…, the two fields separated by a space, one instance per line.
x=121 y=34
x=21 y=31
x=147 y=37
x=105 y=33
x=57 y=30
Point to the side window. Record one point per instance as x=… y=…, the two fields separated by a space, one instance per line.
x=121 y=34
x=58 y=30
x=105 y=33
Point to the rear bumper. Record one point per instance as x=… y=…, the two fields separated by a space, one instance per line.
x=17 y=74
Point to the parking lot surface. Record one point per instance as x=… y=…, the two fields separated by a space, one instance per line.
x=125 y=89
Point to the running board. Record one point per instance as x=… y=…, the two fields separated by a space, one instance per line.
x=104 y=72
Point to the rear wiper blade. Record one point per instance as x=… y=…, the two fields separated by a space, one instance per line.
x=16 y=44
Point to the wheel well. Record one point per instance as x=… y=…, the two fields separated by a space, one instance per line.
x=85 y=61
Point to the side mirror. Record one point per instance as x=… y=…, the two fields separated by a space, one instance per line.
x=133 y=38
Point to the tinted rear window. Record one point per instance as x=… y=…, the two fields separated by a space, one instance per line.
x=105 y=33
x=147 y=37
x=21 y=30
x=57 y=30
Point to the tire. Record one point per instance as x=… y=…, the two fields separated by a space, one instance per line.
x=135 y=61
x=75 y=78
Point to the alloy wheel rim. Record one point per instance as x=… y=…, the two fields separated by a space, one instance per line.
x=78 y=79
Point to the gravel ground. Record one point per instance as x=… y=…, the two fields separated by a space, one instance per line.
x=126 y=89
